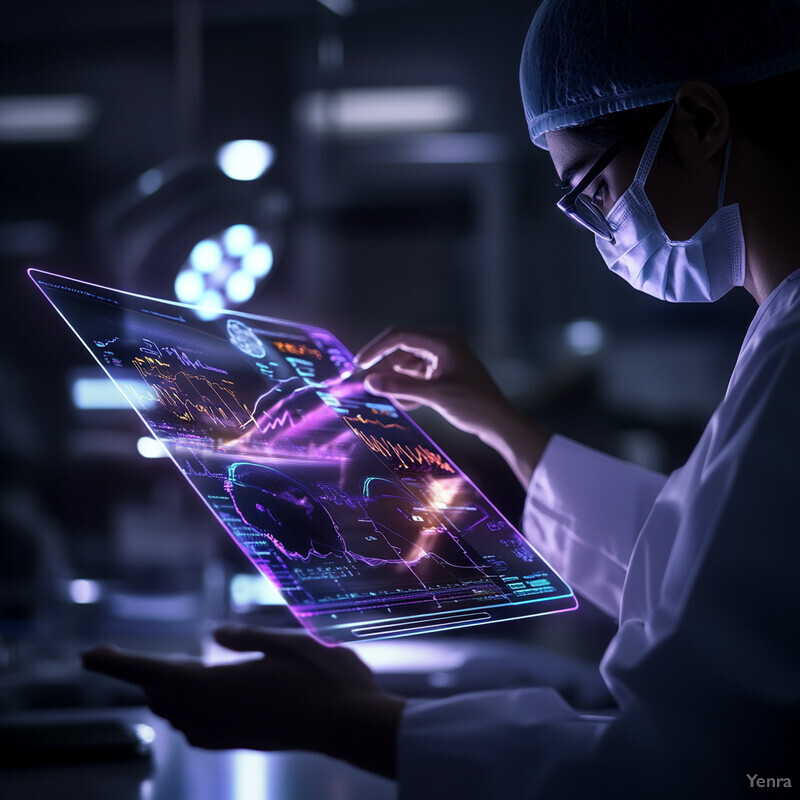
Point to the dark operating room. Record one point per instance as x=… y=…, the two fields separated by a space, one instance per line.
x=351 y=165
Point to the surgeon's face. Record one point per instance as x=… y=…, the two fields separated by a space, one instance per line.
x=683 y=196
x=573 y=158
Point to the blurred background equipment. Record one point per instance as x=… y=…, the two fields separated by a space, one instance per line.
x=349 y=163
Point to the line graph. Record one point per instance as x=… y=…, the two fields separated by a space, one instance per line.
x=403 y=457
x=284 y=420
x=364 y=421
x=333 y=493
x=152 y=349
x=192 y=398
x=187 y=361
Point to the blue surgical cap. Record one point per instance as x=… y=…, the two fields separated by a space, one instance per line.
x=584 y=59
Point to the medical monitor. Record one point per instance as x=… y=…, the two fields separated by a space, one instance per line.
x=336 y=496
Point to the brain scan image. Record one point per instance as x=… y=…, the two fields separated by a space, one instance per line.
x=243 y=338
x=283 y=510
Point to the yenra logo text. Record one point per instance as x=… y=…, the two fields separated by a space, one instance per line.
x=757 y=782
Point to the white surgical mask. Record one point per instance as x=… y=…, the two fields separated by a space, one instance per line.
x=700 y=269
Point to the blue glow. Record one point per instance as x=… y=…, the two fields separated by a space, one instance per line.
x=251 y=776
x=239 y=239
x=240 y=287
x=206 y=256
x=584 y=337
x=344 y=8
x=245 y=159
x=189 y=286
x=258 y=260
x=151 y=181
x=212 y=304
x=100 y=393
x=148 y=447
x=383 y=110
x=146 y=733
x=248 y=591
x=84 y=592
x=411 y=656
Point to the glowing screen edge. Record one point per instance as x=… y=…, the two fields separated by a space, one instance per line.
x=365 y=526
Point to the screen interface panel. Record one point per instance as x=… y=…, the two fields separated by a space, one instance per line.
x=334 y=494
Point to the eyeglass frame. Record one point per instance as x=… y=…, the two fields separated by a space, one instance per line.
x=573 y=199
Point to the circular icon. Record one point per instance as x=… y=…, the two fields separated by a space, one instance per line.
x=245 y=339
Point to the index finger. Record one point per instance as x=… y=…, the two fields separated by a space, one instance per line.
x=408 y=339
x=140 y=670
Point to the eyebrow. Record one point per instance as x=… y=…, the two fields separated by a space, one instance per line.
x=571 y=171
x=594 y=169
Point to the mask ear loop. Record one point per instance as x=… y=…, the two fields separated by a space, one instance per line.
x=646 y=162
x=721 y=195
x=653 y=143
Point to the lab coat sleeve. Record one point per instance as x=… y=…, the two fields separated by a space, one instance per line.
x=583 y=512
x=714 y=695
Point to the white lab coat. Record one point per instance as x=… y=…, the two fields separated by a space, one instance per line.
x=702 y=569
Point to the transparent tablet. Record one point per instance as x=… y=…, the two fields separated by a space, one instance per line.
x=364 y=525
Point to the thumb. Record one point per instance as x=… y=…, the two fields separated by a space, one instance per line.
x=250 y=639
x=242 y=638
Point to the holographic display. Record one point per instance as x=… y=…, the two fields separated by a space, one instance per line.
x=364 y=525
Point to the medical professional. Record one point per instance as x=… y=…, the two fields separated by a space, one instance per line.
x=672 y=127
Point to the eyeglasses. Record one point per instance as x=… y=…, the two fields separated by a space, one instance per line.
x=581 y=209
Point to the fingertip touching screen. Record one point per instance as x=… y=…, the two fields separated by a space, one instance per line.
x=364 y=525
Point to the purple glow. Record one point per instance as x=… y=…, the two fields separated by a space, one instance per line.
x=336 y=496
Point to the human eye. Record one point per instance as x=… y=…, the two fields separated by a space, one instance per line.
x=600 y=194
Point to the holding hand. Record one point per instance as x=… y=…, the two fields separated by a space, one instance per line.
x=300 y=695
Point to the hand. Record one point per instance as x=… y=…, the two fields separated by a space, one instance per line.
x=438 y=369
x=434 y=368
x=300 y=695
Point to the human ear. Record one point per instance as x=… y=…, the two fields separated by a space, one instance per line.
x=700 y=122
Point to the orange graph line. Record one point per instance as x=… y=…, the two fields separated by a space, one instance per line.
x=188 y=395
x=359 y=418
x=407 y=456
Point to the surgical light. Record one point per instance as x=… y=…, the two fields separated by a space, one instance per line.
x=258 y=260
x=224 y=270
x=245 y=159
x=189 y=286
x=240 y=286
x=239 y=239
x=206 y=256
x=212 y=303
